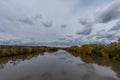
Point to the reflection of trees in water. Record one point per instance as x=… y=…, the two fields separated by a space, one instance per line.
x=14 y=60
x=115 y=65
x=1 y=66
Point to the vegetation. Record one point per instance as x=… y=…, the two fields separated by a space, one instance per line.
x=95 y=59
x=107 y=55
x=111 y=51
x=16 y=59
x=19 y=50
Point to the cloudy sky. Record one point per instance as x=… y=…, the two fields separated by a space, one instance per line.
x=59 y=21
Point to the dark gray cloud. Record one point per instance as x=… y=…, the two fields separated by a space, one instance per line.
x=103 y=15
x=63 y=25
x=26 y=21
x=116 y=27
x=106 y=36
x=109 y=13
x=70 y=36
x=62 y=39
x=47 y=24
x=84 y=21
x=85 y=31
x=38 y=17
x=88 y=24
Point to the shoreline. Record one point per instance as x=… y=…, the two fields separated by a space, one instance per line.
x=111 y=51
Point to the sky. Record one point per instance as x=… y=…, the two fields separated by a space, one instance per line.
x=59 y=21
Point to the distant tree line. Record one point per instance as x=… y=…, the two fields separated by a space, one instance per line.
x=111 y=51
x=19 y=50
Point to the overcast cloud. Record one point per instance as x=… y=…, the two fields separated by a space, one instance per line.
x=54 y=21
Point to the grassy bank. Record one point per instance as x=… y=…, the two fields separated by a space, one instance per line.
x=6 y=51
x=111 y=51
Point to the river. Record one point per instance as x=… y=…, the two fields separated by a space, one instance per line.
x=60 y=65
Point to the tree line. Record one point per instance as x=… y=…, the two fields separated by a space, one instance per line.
x=111 y=51
x=19 y=50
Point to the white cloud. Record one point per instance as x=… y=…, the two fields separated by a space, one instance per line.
x=18 y=16
x=108 y=13
x=51 y=20
x=102 y=18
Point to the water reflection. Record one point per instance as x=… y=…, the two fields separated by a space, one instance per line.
x=60 y=65
x=115 y=65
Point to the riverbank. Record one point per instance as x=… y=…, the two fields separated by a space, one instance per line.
x=6 y=51
x=111 y=51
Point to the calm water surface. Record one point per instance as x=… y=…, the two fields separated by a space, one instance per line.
x=59 y=65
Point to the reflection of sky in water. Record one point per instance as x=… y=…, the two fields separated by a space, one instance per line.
x=58 y=66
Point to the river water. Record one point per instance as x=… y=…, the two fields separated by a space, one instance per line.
x=59 y=65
